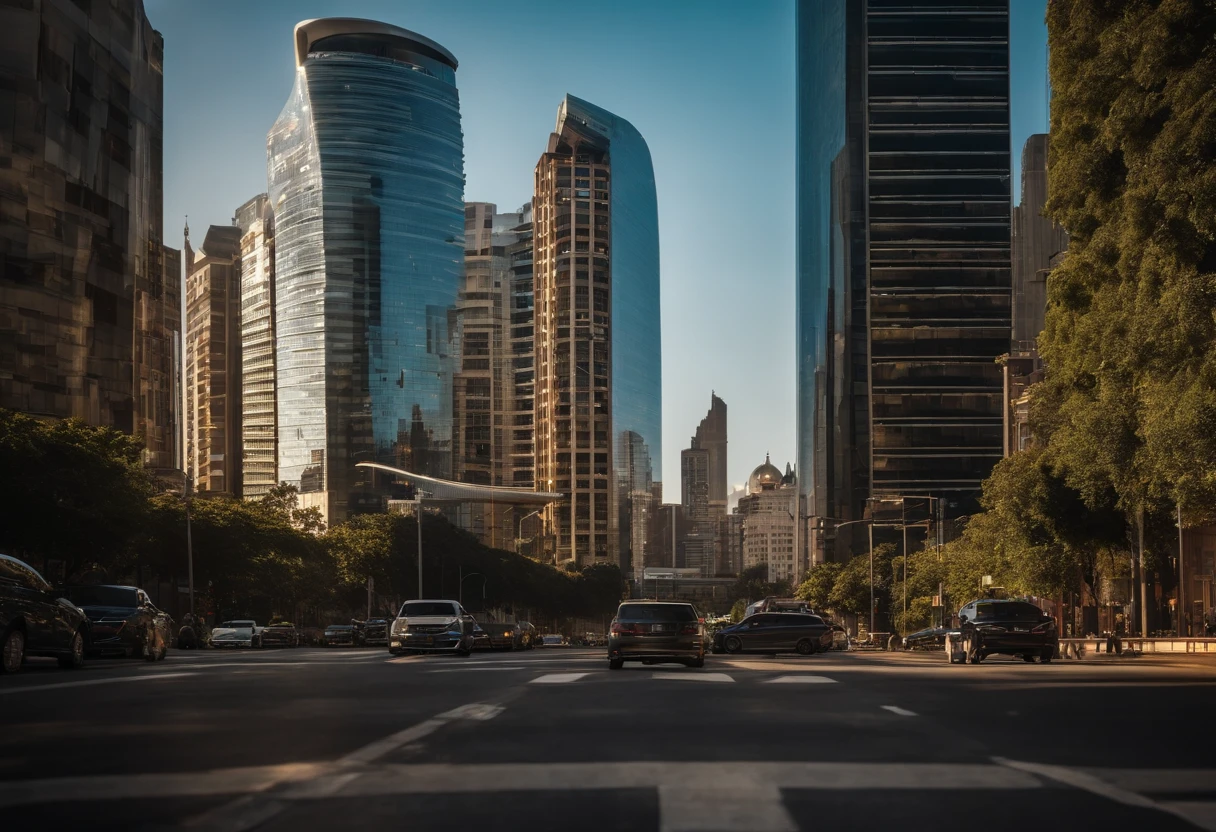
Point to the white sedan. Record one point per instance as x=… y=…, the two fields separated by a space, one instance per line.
x=237 y=633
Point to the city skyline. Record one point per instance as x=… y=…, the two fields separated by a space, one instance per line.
x=211 y=168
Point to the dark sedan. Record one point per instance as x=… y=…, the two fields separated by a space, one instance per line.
x=932 y=638
x=283 y=634
x=35 y=621
x=776 y=632
x=656 y=631
x=125 y=621
x=1012 y=628
x=505 y=636
x=375 y=632
x=341 y=635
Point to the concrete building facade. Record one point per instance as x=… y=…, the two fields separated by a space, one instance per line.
x=259 y=456
x=213 y=362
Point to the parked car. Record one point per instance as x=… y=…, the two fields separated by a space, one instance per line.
x=1013 y=628
x=655 y=631
x=375 y=632
x=341 y=635
x=529 y=637
x=124 y=620
x=776 y=632
x=283 y=634
x=238 y=632
x=481 y=639
x=35 y=621
x=930 y=638
x=554 y=640
x=432 y=626
x=505 y=636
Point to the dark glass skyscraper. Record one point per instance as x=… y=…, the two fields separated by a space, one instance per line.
x=903 y=248
x=366 y=169
x=597 y=330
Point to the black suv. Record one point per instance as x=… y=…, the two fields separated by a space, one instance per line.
x=776 y=632
x=656 y=631
x=1014 y=628
x=35 y=621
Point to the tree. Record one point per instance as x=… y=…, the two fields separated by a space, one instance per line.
x=816 y=590
x=851 y=591
x=71 y=492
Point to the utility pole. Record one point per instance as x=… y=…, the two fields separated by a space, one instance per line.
x=418 y=517
x=871 y=527
x=1143 y=574
x=1181 y=579
x=189 y=544
x=903 y=516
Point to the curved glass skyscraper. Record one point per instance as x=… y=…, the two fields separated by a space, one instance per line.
x=366 y=169
x=598 y=340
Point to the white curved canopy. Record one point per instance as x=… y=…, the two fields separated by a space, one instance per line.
x=462 y=492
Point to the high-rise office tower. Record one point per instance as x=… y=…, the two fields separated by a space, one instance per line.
x=523 y=353
x=711 y=435
x=366 y=169
x=903 y=284
x=86 y=327
x=597 y=330
x=259 y=469
x=694 y=499
x=1037 y=242
x=213 y=361
x=484 y=390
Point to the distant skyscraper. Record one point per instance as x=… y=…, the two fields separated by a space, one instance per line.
x=523 y=354
x=1036 y=241
x=768 y=536
x=694 y=499
x=213 y=362
x=597 y=329
x=484 y=392
x=711 y=435
x=903 y=251
x=87 y=299
x=366 y=169
x=258 y=425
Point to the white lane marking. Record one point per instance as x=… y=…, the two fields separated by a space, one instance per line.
x=895 y=709
x=479 y=711
x=428 y=778
x=1159 y=780
x=753 y=807
x=404 y=660
x=802 y=680
x=695 y=677
x=240 y=815
x=374 y=751
x=1199 y=813
x=477 y=669
x=557 y=678
x=83 y=683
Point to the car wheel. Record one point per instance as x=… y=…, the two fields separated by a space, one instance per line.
x=973 y=653
x=805 y=647
x=1046 y=656
x=75 y=656
x=1028 y=658
x=616 y=664
x=732 y=644
x=12 y=651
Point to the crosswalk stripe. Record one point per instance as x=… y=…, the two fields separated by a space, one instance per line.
x=557 y=678
x=694 y=677
x=802 y=680
x=750 y=808
x=895 y=709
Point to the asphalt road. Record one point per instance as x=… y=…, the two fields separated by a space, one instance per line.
x=552 y=740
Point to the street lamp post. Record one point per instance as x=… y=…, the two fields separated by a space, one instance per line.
x=189 y=544
x=418 y=517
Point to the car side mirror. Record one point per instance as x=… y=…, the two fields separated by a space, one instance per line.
x=962 y=619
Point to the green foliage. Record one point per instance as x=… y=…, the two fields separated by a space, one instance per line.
x=816 y=589
x=1128 y=406
x=70 y=492
x=738 y=610
x=851 y=590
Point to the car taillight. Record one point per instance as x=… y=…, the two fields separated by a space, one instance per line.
x=626 y=629
x=689 y=630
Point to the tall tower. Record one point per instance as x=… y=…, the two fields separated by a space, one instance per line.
x=366 y=170
x=259 y=462
x=903 y=251
x=598 y=341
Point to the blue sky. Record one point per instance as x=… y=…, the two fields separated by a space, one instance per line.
x=709 y=84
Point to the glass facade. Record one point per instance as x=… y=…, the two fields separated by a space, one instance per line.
x=903 y=249
x=366 y=170
x=258 y=424
x=88 y=292
x=598 y=339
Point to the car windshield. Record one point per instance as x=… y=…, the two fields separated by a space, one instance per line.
x=656 y=612
x=1007 y=612
x=238 y=625
x=427 y=608
x=102 y=596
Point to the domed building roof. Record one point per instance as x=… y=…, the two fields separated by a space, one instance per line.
x=766 y=477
